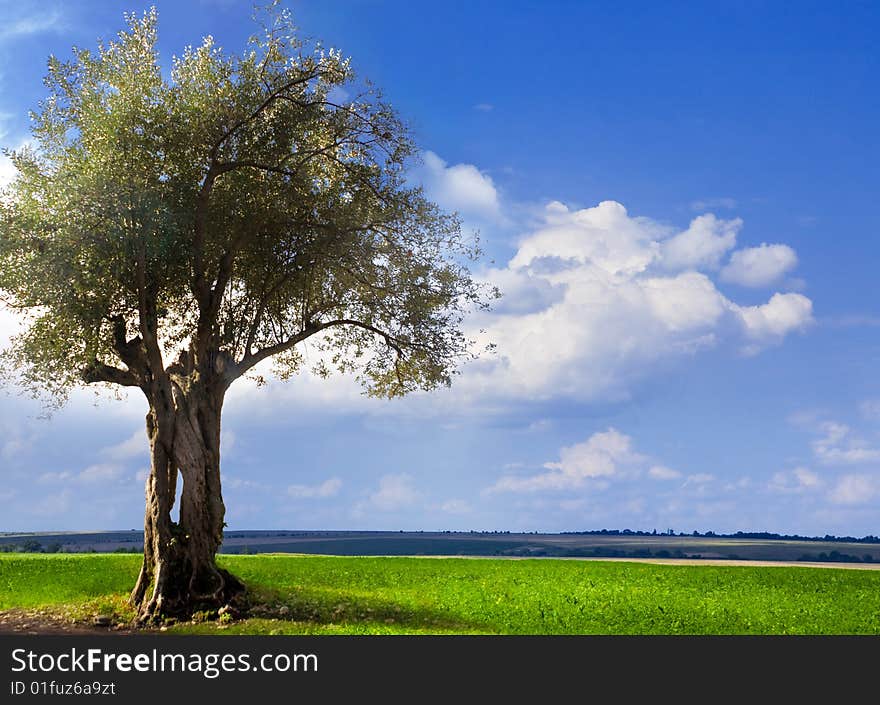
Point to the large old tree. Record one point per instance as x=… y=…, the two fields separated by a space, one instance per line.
x=170 y=234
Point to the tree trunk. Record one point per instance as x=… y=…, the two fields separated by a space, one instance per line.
x=179 y=575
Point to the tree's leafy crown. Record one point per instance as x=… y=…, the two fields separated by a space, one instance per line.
x=230 y=211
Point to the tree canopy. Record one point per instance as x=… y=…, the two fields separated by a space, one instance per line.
x=222 y=214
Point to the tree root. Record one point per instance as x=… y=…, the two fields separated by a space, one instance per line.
x=180 y=597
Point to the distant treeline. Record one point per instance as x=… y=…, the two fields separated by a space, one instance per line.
x=763 y=535
x=32 y=546
x=836 y=557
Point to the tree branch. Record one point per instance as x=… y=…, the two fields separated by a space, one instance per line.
x=250 y=360
x=131 y=352
x=273 y=96
x=100 y=372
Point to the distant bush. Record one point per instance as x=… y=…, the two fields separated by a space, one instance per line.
x=835 y=557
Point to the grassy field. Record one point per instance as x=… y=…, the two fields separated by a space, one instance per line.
x=375 y=595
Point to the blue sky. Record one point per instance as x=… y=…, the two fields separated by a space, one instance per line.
x=679 y=203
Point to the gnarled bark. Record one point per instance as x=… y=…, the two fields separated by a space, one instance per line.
x=179 y=574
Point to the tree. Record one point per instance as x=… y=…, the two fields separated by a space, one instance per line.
x=168 y=235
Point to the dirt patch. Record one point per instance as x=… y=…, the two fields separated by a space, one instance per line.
x=37 y=622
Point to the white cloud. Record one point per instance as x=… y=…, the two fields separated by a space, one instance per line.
x=602 y=455
x=7 y=171
x=539 y=425
x=806 y=477
x=395 y=492
x=840 y=446
x=93 y=474
x=604 y=237
x=759 y=266
x=710 y=203
x=135 y=446
x=700 y=478
x=702 y=245
x=456 y=506
x=45 y=21
x=238 y=483
x=10 y=325
x=227 y=441
x=688 y=301
x=328 y=488
x=738 y=485
x=771 y=322
x=15 y=438
x=854 y=489
x=460 y=187
x=484 y=107
x=99 y=473
x=524 y=291
x=52 y=478
x=661 y=472
x=798 y=480
x=596 y=301
x=602 y=306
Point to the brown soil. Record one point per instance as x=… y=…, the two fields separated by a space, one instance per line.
x=36 y=621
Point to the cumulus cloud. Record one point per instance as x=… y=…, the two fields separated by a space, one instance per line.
x=395 y=492
x=7 y=171
x=135 y=446
x=596 y=300
x=456 y=506
x=759 y=266
x=608 y=298
x=239 y=483
x=700 y=478
x=806 y=477
x=602 y=455
x=661 y=472
x=460 y=187
x=10 y=323
x=28 y=25
x=328 y=488
x=838 y=445
x=604 y=237
x=93 y=474
x=783 y=314
x=101 y=472
x=15 y=438
x=51 y=478
x=798 y=480
x=855 y=489
x=702 y=245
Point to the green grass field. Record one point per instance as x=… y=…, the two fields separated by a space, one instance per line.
x=375 y=595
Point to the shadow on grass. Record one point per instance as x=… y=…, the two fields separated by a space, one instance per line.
x=329 y=607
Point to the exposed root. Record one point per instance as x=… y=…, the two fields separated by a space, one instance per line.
x=179 y=597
